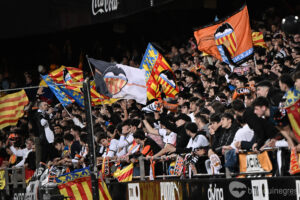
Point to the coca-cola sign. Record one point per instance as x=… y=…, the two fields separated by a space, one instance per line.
x=104 y=6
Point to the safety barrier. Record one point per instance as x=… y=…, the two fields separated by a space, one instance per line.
x=14 y=177
x=16 y=184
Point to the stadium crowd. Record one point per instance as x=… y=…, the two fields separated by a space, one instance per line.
x=219 y=109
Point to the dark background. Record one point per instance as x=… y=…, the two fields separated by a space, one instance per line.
x=29 y=29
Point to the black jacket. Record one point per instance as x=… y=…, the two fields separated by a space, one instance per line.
x=41 y=130
x=226 y=137
x=263 y=128
x=182 y=138
x=275 y=96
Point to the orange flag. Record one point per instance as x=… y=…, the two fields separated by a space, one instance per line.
x=229 y=40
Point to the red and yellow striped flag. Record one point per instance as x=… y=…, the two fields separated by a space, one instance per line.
x=124 y=175
x=155 y=66
x=81 y=188
x=258 y=39
x=76 y=74
x=12 y=108
x=73 y=78
x=293 y=112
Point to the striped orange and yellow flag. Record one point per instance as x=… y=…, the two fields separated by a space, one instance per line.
x=73 y=78
x=12 y=108
x=293 y=112
x=81 y=188
x=77 y=185
x=124 y=175
x=76 y=74
x=258 y=39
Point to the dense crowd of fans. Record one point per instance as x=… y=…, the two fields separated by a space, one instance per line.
x=219 y=108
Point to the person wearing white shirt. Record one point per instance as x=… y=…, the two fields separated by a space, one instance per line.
x=42 y=117
x=111 y=146
x=243 y=134
x=193 y=108
x=23 y=152
x=169 y=137
x=134 y=147
x=196 y=143
x=126 y=138
x=46 y=114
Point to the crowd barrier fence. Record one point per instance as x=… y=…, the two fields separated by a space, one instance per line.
x=16 y=184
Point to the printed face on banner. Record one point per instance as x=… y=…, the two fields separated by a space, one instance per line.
x=115 y=79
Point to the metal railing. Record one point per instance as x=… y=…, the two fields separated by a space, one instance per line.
x=227 y=174
x=15 y=177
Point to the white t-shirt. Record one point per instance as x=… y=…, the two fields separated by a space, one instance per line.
x=124 y=143
x=112 y=149
x=49 y=133
x=20 y=153
x=191 y=115
x=168 y=138
x=197 y=141
x=243 y=134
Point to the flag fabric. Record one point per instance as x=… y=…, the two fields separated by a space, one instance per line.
x=241 y=91
x=61 y=96
x=66 y=83
x=263 y=161
x=75 y=76
x=293 y=112
x=77 y=185
x=258 y=39
x=159 y=74
x=294 y=162
x=2 y=179
x=229 y=40
x=291 y=97
x=120 y=81
x=124 y=175
x=12 y=108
